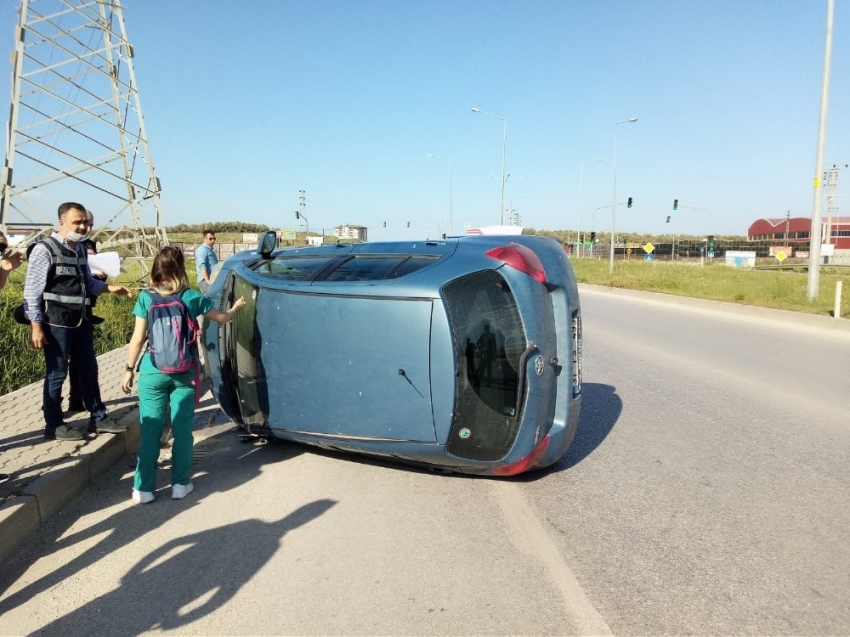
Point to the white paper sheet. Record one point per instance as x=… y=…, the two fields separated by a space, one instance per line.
x=105 y=262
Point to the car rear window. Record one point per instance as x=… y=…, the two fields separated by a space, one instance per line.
x=489 y=339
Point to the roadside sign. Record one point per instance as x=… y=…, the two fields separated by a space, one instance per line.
x=648 y=248
x=781 y=256
x=711 y=254
x=287 y=234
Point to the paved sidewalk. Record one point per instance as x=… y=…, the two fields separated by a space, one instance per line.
x=47 y=474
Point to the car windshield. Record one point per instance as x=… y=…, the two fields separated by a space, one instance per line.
x=373 y=268
x=293 y=268
x=489 y=340
x=351 y=268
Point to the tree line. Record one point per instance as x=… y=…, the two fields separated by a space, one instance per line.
x=217 y=226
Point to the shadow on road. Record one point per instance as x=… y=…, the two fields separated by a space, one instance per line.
x=130 y=522
x=194 y=575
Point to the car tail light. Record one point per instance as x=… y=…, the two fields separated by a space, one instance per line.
x=523 y=464
x=519 y=257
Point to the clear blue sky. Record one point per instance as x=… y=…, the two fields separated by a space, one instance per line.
x=246 y=103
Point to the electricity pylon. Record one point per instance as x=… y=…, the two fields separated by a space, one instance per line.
x=75 y=130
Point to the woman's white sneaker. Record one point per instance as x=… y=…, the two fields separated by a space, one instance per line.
x=180 y=491
x=142 y=497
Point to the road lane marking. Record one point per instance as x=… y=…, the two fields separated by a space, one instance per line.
x=531 y=538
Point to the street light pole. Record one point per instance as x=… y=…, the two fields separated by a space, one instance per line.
x=451 y=224
x=813 y=282
x=580 y=180
x=504 y=147
x=614 y=190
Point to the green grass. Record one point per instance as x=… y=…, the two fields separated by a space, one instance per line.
x=21 y=365
x=784 y=290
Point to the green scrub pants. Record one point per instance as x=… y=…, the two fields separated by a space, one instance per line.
x=156 y=392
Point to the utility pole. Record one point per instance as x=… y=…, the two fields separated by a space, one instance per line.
x=787 y=224
x=76 y=127
x=815 y=235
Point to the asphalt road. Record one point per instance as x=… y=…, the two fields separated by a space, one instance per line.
x=706 y=493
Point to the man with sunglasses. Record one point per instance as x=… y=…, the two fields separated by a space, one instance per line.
x=8 y=262
x=205 y=260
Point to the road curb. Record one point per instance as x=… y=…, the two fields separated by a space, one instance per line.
x=21 y=516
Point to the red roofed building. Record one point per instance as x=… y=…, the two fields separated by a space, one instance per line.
x=796 y=230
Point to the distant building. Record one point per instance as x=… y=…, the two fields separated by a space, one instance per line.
x=495 y=230
x=360 y=233
x=796 y=231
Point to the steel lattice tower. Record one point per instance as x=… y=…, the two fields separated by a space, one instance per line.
x=75 y=129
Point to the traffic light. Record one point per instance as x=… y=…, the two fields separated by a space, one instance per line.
x=675 y=204
x=444 y=234
x=593 y=237
x=711 y=242
x=297 y=215
x=629 y=203
x=408 y=224
x=385 y=224
x=668 y=218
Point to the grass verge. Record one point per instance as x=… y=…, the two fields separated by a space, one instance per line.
x=781 y=290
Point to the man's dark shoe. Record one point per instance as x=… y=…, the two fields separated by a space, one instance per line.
x=4 y=477
x=106 y=426
x=63 y=432
x=97 y=320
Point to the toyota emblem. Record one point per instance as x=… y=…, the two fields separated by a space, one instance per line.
x=538 y=364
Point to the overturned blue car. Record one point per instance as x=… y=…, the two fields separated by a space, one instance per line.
x=460 y=355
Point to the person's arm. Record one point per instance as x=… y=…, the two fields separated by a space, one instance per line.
x=98 y=286
x=137 y=342
x=8 y=263
x=223 y=317
x=39 y=265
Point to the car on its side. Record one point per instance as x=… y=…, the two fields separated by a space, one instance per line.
x=461 y=354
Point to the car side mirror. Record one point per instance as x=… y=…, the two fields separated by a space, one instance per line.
x=268 y=242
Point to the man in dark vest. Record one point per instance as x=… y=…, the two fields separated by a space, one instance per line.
x=75 y=378
x=56 y=303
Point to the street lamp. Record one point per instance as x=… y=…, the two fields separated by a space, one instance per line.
x=504 y=145
x=614 y=190
x=451 y=225
x=580 y=180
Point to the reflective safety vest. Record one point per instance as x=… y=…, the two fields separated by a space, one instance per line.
x=65 y=302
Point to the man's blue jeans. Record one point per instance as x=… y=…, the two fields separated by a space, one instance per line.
x=62 y=344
